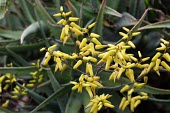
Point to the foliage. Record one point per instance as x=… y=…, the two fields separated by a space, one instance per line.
x=51 y=49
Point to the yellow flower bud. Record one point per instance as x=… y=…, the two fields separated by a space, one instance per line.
x=137 y=103
x=93 y=35
x=125 y=88
x=56 y=15
x=88 y=89
x=139 y=54
x=90 y=69
x=166 y=56
x=108 y=62
x=77 y=64
x=91 y=25
x=51 y=48
x=107 y=54
x=68 y=13
x=75 y=25
x=122 y=102
x=94 y=40
x=60 y=22
x=108 y=105
x=42 y=49
x=113 y=76
x=126 y=103
x=157 y=55
x=5 y=105
x=77 y=31
x=136 y=33
x=131 y=44
x=125 y=36
x=121 y=70
x=133 y=58
x=145 y=79
x=139 y=85
x=30 y=85
x=61 y=8
x=100 y=46
x=132 y=103
x=164 y=41
x=165 y=65
x=145 y=59
x=73 y=19
x=130 y=91
x=92 y=59
x=2 y=78
x=126 y=29
x=158 y=61
x=143 y=93
x=59 y=63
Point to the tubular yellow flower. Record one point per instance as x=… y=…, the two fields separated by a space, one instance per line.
x=130 y=74
x=100 y=46
x=132 y=103
x=136 y=33
x=88 y=89
x=113 y=76
x=139 y=85
x=42 y=49
x=120 y=56
x=164 y=41
x=62 y=34
x=125 y=88
x=158 y=61
x=139 y=54
x=2 y=78
x=125 y=36
x=166 y=56
x=133 y=58
x=108 y=62
x=56 y=15
x=91 y=25
x=107 y=54
x=93 y=35
x=130 y=91
x=51 y=48
x=92 y=59
x=122 y=102
x=121 y=70
x=126 y=29
x=73 y=19
x=66 y=29
x=83 y=43
x=77 y=64
x=68 y=13
x=126 y=103
x=157 y=55
x=94 y=40
x=77 y=31
x=60 y=22
x=59 y=63
x=30 y=85
x=145 y=79
x=47 y=58
x=131 y=44
x=137 y=103
x=145 y=59
x=165 y=65
x=151 y=65
x=5 y=105
x=61 y=8
x=75 y=25
x=90 y=69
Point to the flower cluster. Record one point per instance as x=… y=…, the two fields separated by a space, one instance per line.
x=98 y=102
x=112 y=58
x=132 y=101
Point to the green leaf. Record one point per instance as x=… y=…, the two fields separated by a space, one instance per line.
x=17 y=57
x=98 y=28
x=3 y=7
x=74 y=103
x=163 y=24
x=32 y=29
x=51 y=98
x=160 y=100
x=53 y=80
x=153 y=90
x=24 y=47
x=19 y=71
x=10 y=34
x=111 y=11
x=26 y=10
